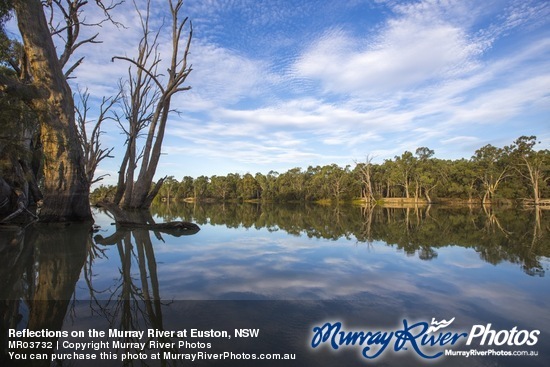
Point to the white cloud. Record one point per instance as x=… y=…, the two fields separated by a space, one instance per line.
x=222 y=76
x=410 y=51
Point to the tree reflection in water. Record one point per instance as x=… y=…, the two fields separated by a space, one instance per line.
x=517 y=235
x=41 y=264
x=133 y=304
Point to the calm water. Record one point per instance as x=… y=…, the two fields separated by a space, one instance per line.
x=287 y=268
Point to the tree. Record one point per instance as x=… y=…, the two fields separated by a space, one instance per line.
x=387 y=177
x=200 y=187
x=532 y=165
x=94 y=153
x=492 y=167
x=405 y=165
x=19 y=165
x=148 y=105
x=39 y=81
x=462 y=178
x=249 y=187
x=291 y=185
x=317 y=185
x=427 y=173
x=268 y=184
x=65 y=187
x=367 y=191
x=219 y=186
x=169 y=187
x=338 y=181
x=185 y=188
x=262 y=182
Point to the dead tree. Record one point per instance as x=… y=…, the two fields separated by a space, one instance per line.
x=65 y=21
x=90 y=143
x=147 y=102
x=366 y=179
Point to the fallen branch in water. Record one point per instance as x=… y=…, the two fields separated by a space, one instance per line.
x=126 y=220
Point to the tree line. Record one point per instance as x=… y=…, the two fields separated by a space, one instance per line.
x=515 y=172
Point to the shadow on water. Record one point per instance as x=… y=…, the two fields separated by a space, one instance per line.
x=42 y=264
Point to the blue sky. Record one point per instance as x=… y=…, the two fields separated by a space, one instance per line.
x=281 y=84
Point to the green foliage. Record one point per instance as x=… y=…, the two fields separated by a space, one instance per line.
x=491 y=174
x=5 y=9
x=101 y=193
x=10 y=50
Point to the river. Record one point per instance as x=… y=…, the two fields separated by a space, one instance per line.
x=296 y=273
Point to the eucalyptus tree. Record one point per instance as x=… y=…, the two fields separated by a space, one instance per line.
x=200 y=187
x=147 y=97
x=248 y=187
x=267 y=184
x=532 y=165
x=380 y=179
x=317 y=186
x=404 y=165
x=339 y=181
x=39 y=79
x=462 y=179
x=387 y=177
x=261 y=179
x=366 y=170
x=18 y=134
x=234 y=182
x=428 y=172
x=219 y=187
x=291 y=185
x=169 y=188
x=185 y=188
x=493 y=166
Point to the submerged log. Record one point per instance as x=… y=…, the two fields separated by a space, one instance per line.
x=133 y=219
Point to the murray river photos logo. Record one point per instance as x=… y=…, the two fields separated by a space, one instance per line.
x=427 y=340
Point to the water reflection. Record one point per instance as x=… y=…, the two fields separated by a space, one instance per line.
x=498 y=235
x=41 y=266
x=125 y=278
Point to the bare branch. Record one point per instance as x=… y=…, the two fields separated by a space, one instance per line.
x=142 y=68
x=69 y=21
x=91 y=145
x=99 y=178
x=72 y=68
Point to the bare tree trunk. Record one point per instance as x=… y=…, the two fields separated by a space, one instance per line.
x=66 y=188
x=534 y=177
x=121 y=185
x=148 y=105
x=367 y=191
